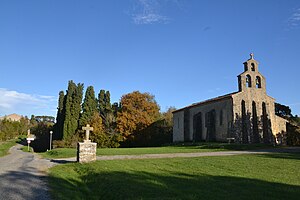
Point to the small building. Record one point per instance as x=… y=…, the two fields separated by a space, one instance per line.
x=245 y=116
x=12 y=117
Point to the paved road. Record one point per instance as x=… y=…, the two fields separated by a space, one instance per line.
x=22 y=176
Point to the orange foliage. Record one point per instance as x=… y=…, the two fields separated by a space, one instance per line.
x=138 y=111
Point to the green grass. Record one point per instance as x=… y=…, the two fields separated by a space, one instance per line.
x=187 y=148
x=25 y=148
x=5 y=146
x=59 y=153
x=270 y=176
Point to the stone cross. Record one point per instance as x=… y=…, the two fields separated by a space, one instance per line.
x=251 y=56
x=87 y=130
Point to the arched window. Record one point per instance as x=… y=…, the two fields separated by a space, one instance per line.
x=246 y=66
x=248 y=80
x=258 y=82
x=252 y=67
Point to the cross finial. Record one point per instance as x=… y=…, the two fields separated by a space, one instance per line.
x=251 y=56
x=87 y=130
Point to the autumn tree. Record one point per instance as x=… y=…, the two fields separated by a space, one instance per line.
x=138 y=111
x=89 y=106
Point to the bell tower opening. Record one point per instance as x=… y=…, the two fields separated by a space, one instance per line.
x=251 y=79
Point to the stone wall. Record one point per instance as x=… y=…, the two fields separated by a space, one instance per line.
x=223 y=106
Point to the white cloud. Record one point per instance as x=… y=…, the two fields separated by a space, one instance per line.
x=148 y=12
x=294 y=20
x=26 y=104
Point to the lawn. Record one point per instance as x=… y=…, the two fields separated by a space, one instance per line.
x=270 y=176
x=5 y=146
x=201 y=147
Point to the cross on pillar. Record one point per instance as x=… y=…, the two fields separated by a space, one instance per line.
x=87 y=130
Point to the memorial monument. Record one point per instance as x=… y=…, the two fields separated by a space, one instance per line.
x=86 y=150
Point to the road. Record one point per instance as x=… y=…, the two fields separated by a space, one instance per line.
x=23 y=176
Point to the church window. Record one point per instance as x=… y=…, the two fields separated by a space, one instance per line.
x=258 y=82
x=252 y=67
x=248 y=80
x=246 y=66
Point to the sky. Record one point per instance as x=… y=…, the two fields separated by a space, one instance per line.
x=181 y=51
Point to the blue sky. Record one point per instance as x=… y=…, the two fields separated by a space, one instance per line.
x=181 y=51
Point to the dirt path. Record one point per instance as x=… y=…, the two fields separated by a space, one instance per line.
x=23 y=176
x=200 y=154
x=184 y=155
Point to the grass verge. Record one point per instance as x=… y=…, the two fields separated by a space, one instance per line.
x=270 y=176
x=5 y=146
x=182 y=148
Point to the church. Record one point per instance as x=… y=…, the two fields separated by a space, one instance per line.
x=245 y=116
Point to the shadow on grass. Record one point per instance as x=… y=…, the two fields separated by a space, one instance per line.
x=145 y=185
x=285 y=155
x=23 y=185
x=226 y=146
x=61 y=161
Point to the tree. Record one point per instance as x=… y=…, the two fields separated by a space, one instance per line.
x=283 y=111
x=138 y=111
x=101 y=102
x=168 y=116
x=59 y=126
x=89 y=106
x=72 y=109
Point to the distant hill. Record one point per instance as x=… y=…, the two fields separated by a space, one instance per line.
x=12 y=117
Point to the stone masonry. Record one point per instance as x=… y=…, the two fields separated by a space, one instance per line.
x=246 y=116
x=86 y=150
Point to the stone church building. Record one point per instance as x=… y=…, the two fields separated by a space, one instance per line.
x=245 y=116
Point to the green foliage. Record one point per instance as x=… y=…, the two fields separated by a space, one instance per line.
x=59 y=126
x=5 y=146
x=59 y=153
x=293 y=135
x=270 y=176
x=89 y=107
x=42 y=134
x=101 y=102
x=283 y=111
x=12 y=129
x=72 y=109
x=156 y=134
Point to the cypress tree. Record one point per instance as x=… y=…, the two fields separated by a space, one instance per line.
x=89 y=106
x=58 y=129
x=107 y=102
x=72 y=109
x=101 y=102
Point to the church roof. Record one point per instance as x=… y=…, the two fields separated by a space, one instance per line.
x=207 y=101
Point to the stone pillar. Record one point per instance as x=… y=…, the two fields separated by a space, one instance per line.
x=86 y=151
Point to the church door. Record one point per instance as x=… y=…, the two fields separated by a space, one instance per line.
x=197 y=127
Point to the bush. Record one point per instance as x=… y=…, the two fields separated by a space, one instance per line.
x=293 y=135
x=157 y=134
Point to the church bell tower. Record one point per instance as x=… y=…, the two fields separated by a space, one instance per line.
x=251 y=79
